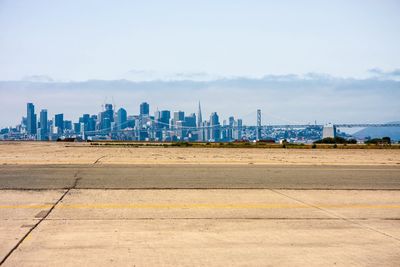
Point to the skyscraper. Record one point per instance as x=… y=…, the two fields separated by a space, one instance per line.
x=179 y=116
x=121 y=119
x=59 y=123
x=107 y=116
x=30 y=119
x=84 y=121
x=144 y=109
x=215 y=127
x=199 y=118
x=43 y=125
x=165 y=115
x=190 y=121
x=237 y=132
x=231 y=128
x=258 y=130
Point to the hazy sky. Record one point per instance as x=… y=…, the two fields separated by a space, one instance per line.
x=82 y=39
x=346 y=55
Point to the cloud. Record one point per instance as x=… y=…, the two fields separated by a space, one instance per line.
x=152 y=75
x=37 y=78
x=381 y=74
x=295 y=98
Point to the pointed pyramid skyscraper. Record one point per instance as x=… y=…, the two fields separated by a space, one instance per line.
x=199 y=118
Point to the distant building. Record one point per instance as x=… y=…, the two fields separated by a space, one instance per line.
x=190 y=121
x=77 y=128
x=237 y=132
x=84 y=121
x=165 y=116
x=199 y=117
x=43 y=130
x=68 y=125
x=106 y=117
x=59 y=123
x=179 y=116
x=258 y=129
x=214 y=127
x=122 y=118
x=31 y=122
x=329 y=131
x=231 y=126
x=92 y=123
x=144 y=109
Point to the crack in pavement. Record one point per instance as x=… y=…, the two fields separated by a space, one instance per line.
x=77 y=178
x=97 y=160
x=331 y=213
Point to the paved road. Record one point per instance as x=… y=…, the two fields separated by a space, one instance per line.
x=198 y=177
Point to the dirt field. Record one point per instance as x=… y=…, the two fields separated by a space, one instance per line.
x=83 y=153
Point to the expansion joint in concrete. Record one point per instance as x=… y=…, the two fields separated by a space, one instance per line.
x=77 y=178
x=333 y=214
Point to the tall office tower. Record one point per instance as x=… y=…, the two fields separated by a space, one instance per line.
x=202 y=132
x=214 y=127
x=258 y=130
x=59 y=123
x=106 y=117
x=179 y=116
x=144 y=109
x=231 y=121
x=165 y=116
x=44 y=133
x=67 y=125
x=177 y=122
x=122 y=117
x=199 y=118
x=92 y=123
x=84 y=121
x=130 y=123
x=237 y=130
x=190 y=121
x=179 y=130
x=157 y=115
x=107 y=124
x=109 y=112
x=30 y=119
x=231 y=126
x=77 y=128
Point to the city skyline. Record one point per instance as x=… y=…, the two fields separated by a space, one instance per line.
x=117 y=124
x=284 y=99
x=113 y=123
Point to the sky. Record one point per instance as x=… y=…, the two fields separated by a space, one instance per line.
x=75 y=41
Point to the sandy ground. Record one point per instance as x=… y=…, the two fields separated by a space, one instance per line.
x=83 y=153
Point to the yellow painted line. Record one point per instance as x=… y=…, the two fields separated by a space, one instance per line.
x=43 y=206
x=198 y=206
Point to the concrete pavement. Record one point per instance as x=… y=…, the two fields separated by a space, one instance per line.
x=222 y=215
x=202 y=227
x=198 y=176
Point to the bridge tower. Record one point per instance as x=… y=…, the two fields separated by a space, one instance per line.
x=329 y=130
x=258 y=129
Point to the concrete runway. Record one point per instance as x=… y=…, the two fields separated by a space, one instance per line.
x=198 y=177
x=211 y=215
